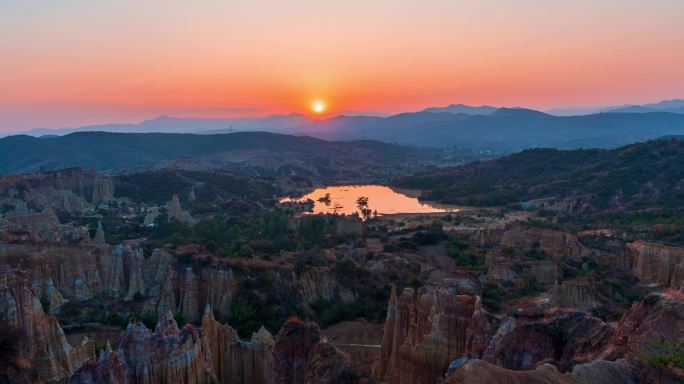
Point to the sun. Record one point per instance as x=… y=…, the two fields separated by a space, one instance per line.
x=318 y=106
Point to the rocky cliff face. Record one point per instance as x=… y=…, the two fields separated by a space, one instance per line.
x=136 y=283
x=316 y=284
x=102 y=189
x=425 y=332
x=40 y=344
x=189 y=291
x=610 y=356
x=302 y=355
x=656 y=263
x=573 y=294
x=561 y=337
x=124 y=273
x=555 y=243
x=70 y=190
x=605 y=372
x=657 y=320
x=106 y=369
x=167 y=355
x=235 y=361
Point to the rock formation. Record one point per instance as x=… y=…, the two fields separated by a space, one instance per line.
x=99 y=239
x=658 y=319
x=151 y=216
x=43 y=225
x=173 y=209
x=70 y=190
x=317 y=284
x=656 y=263
x=578 y=294
x=189 y=305
x=221 y=287
x=106 y=369
x=167 y=355
x=103 y=190
x=302 y=355
x=235 y=361
x=40 y=341
x=51 y=296
x=113 y=272
x=136 y=284
x=544 y=272
x=562 y=337
x=424 y=333
x=605 y=372
x=555 y=243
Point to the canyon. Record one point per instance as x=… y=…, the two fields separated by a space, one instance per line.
x=118 y=279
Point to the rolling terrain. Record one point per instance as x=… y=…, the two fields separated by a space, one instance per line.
x=106 y=151
x=499 y=130
x=622 y=178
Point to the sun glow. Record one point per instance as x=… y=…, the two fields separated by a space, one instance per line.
x=318 y=107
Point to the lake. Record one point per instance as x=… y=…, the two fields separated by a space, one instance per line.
x=342 y=199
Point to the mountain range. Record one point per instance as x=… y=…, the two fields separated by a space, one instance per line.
x=641 y=176
x=483 y=128
x=107 y=151
x=671 y=106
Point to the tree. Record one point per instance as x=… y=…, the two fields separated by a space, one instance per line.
x=362 y=204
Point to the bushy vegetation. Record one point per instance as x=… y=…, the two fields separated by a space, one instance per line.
x=622 y=178
x=492 y=297
x=261 y=302
x=661 y=353
x=261 y=233
x=463 y=254
x=372 y=306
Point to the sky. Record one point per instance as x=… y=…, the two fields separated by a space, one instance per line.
x=77 y=62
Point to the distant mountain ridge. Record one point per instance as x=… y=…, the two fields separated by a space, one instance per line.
x=484 y=128
x=107 y=151
x=462 y=108
x=670 y=106
x=169 y=124
x=633 y=177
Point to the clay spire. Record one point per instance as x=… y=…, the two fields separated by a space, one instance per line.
x=99 y=238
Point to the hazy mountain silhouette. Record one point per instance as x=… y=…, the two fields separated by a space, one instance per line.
x=462 y=108
x=502 y=130
x=169 y=124
x=115 y=151
x=672 y=106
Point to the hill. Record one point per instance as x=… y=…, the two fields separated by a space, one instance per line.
x=671 y=106
x=486 y=129
x=465 y=109
x=642 y=176
x=106 y=151
x=510 y=130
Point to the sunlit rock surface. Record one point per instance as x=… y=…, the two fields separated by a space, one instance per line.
x=167 y=355
x=425 y=331
x=656 y=263
x=235 y=361
x=40 y=341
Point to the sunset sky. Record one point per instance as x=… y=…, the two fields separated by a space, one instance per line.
x=76 y=62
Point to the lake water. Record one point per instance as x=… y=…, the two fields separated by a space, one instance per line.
x=342 y=199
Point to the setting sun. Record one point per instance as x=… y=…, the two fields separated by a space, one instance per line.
x=318 y=107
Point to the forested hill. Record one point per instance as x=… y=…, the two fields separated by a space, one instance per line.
x=637 y=176
x=116 y=151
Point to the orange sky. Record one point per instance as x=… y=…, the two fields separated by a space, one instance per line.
x=77 y=62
